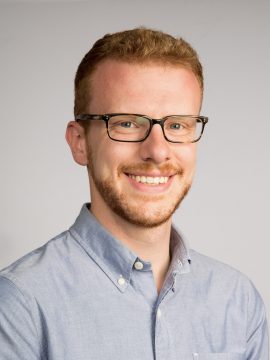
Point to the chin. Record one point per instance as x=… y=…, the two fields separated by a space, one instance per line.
x=146 y=210
x=147 y=213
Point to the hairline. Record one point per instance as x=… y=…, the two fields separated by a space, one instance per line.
x=87 y=80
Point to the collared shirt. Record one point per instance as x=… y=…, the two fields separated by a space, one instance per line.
x=85 y=296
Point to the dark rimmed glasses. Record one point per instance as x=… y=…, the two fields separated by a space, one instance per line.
x=136 y=127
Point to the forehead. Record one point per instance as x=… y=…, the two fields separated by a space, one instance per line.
x=132 y=83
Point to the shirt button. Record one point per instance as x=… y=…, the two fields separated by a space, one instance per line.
x=138 y=265
x=121 y=281
x=158 y=313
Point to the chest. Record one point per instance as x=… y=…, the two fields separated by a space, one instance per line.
x=97 y=321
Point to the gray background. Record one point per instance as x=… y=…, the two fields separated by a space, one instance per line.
x=226 y=214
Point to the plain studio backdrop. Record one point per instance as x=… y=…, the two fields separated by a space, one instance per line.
x=226 y=214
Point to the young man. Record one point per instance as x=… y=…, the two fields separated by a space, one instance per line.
x=121 y=283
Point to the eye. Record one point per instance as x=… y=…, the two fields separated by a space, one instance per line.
x=123 y=122
x=126 y=124
x=175 y=126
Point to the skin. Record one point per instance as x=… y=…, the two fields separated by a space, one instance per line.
x=139 y=215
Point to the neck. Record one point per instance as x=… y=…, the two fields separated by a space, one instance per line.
x=150 y=244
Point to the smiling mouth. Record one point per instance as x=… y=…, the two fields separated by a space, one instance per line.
x=149 y=180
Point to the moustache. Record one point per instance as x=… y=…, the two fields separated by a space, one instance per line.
x=150 y=167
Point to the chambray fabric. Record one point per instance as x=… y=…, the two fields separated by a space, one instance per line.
x=83 y=296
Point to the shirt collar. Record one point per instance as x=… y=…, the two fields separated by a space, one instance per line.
x=179 y=249
x=114 y=258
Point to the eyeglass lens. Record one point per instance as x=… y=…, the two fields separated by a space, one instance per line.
x=136 y=128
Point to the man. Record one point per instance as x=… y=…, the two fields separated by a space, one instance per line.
x=121 y=283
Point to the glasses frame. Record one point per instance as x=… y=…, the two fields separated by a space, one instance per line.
x=106 y=118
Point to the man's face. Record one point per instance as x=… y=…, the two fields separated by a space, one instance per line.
x=120 y=173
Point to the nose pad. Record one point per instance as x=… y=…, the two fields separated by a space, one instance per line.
x=159 y=122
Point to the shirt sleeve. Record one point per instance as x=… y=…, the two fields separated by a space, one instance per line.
x=257 y=331
x=18 y=335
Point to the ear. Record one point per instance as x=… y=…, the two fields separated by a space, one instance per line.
x=77 y=142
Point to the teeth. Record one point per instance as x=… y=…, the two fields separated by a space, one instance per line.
x=153 y=180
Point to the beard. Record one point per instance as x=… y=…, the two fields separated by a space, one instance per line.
x=143 y=210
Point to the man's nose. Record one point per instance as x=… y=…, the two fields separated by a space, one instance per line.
x=155 y=147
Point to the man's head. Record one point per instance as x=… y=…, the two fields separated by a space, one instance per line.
x=136 y=72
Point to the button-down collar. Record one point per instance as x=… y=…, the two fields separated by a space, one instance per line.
x=114 y=258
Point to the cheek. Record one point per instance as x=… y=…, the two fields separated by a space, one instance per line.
x=107 y=155
x=103 y=163
x=186 y=157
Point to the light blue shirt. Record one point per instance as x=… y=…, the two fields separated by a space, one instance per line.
x=85 y=296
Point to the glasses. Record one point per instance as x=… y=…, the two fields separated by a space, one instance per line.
x=135 y=127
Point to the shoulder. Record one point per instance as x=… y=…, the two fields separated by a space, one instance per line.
x=207 y=265
x=225 y=281
x=209 y=269
x=32 y=270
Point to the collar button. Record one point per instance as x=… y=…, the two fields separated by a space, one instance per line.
x=121 y=281
x=138 y=265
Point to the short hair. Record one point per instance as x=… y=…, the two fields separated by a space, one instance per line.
x=140 y=46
